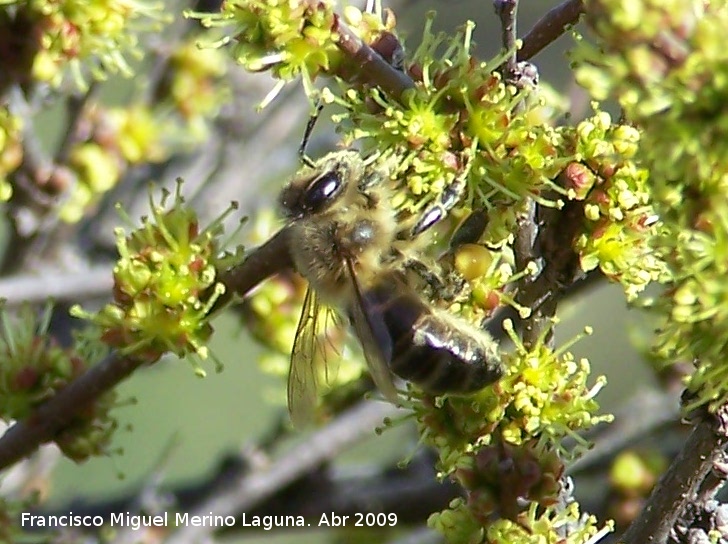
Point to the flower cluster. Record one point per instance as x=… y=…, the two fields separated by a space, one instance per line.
x=292 y=38
x=164 y=286
x=643 y=57
x=11 y=150
x=534 y=526
x=666 y=63
x=460 y=124
x=34 y=367
x=50 y=38
x=620 y=221
x=194 y=87
x=517 y=425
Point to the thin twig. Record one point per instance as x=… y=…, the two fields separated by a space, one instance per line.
x=34 y=205
x=421 y=535
x=561 y=266
x=348 y=429
x=550 y=27
x=538 y=294
x=150 y=497
x=84 y=284
x=679 y=486
x=507 y=11
x=263 y=262
x=526 y=229
x=374 y=69
x=76 y=108
x=29 y=203
x=523 y=249
x=412 y=493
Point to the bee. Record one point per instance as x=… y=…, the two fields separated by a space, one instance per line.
x=346 y=240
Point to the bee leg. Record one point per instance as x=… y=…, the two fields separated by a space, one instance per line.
x=446 y=288
x=424 y=272
x=438 y=211
x=448 y=198
x=470 y=230
x=373 y=177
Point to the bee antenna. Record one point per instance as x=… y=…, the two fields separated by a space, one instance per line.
x=305 y=159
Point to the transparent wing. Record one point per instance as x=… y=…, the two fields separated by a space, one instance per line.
x=311 y=358
x=365 y=328
x=302 y=376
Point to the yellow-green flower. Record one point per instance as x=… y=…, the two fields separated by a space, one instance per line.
x=83 y=38
x=164 y=286
x=669 y=73
x=290 y=37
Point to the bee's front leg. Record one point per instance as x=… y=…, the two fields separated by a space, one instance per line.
x=438 y=211
x=441 y=285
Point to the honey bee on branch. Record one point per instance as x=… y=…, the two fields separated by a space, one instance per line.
x=346 y=239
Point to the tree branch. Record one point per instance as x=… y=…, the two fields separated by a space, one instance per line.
x=507 y=12
x=56 y=284
x=54 y=415
x=263 y=262
x=680 y=485
x=528 y=291
x=244 y=493
x=76 y=108
x=371 y=64
x=550 y=27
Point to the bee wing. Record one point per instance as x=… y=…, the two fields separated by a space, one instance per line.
x=311 y=358
x=303 y=375
x=366 y=330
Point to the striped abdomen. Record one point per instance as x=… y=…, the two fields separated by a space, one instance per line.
x=419 y=343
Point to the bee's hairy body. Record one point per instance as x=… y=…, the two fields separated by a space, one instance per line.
x=345 y=239
x=358 y=225
x=324 y=243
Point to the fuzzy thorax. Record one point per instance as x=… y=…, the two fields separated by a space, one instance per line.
x=323 y=245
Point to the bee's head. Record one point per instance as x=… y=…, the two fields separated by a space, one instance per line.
x=316 y=194
x=319 y=187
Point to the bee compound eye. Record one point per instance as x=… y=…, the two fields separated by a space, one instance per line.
x=322 y=191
